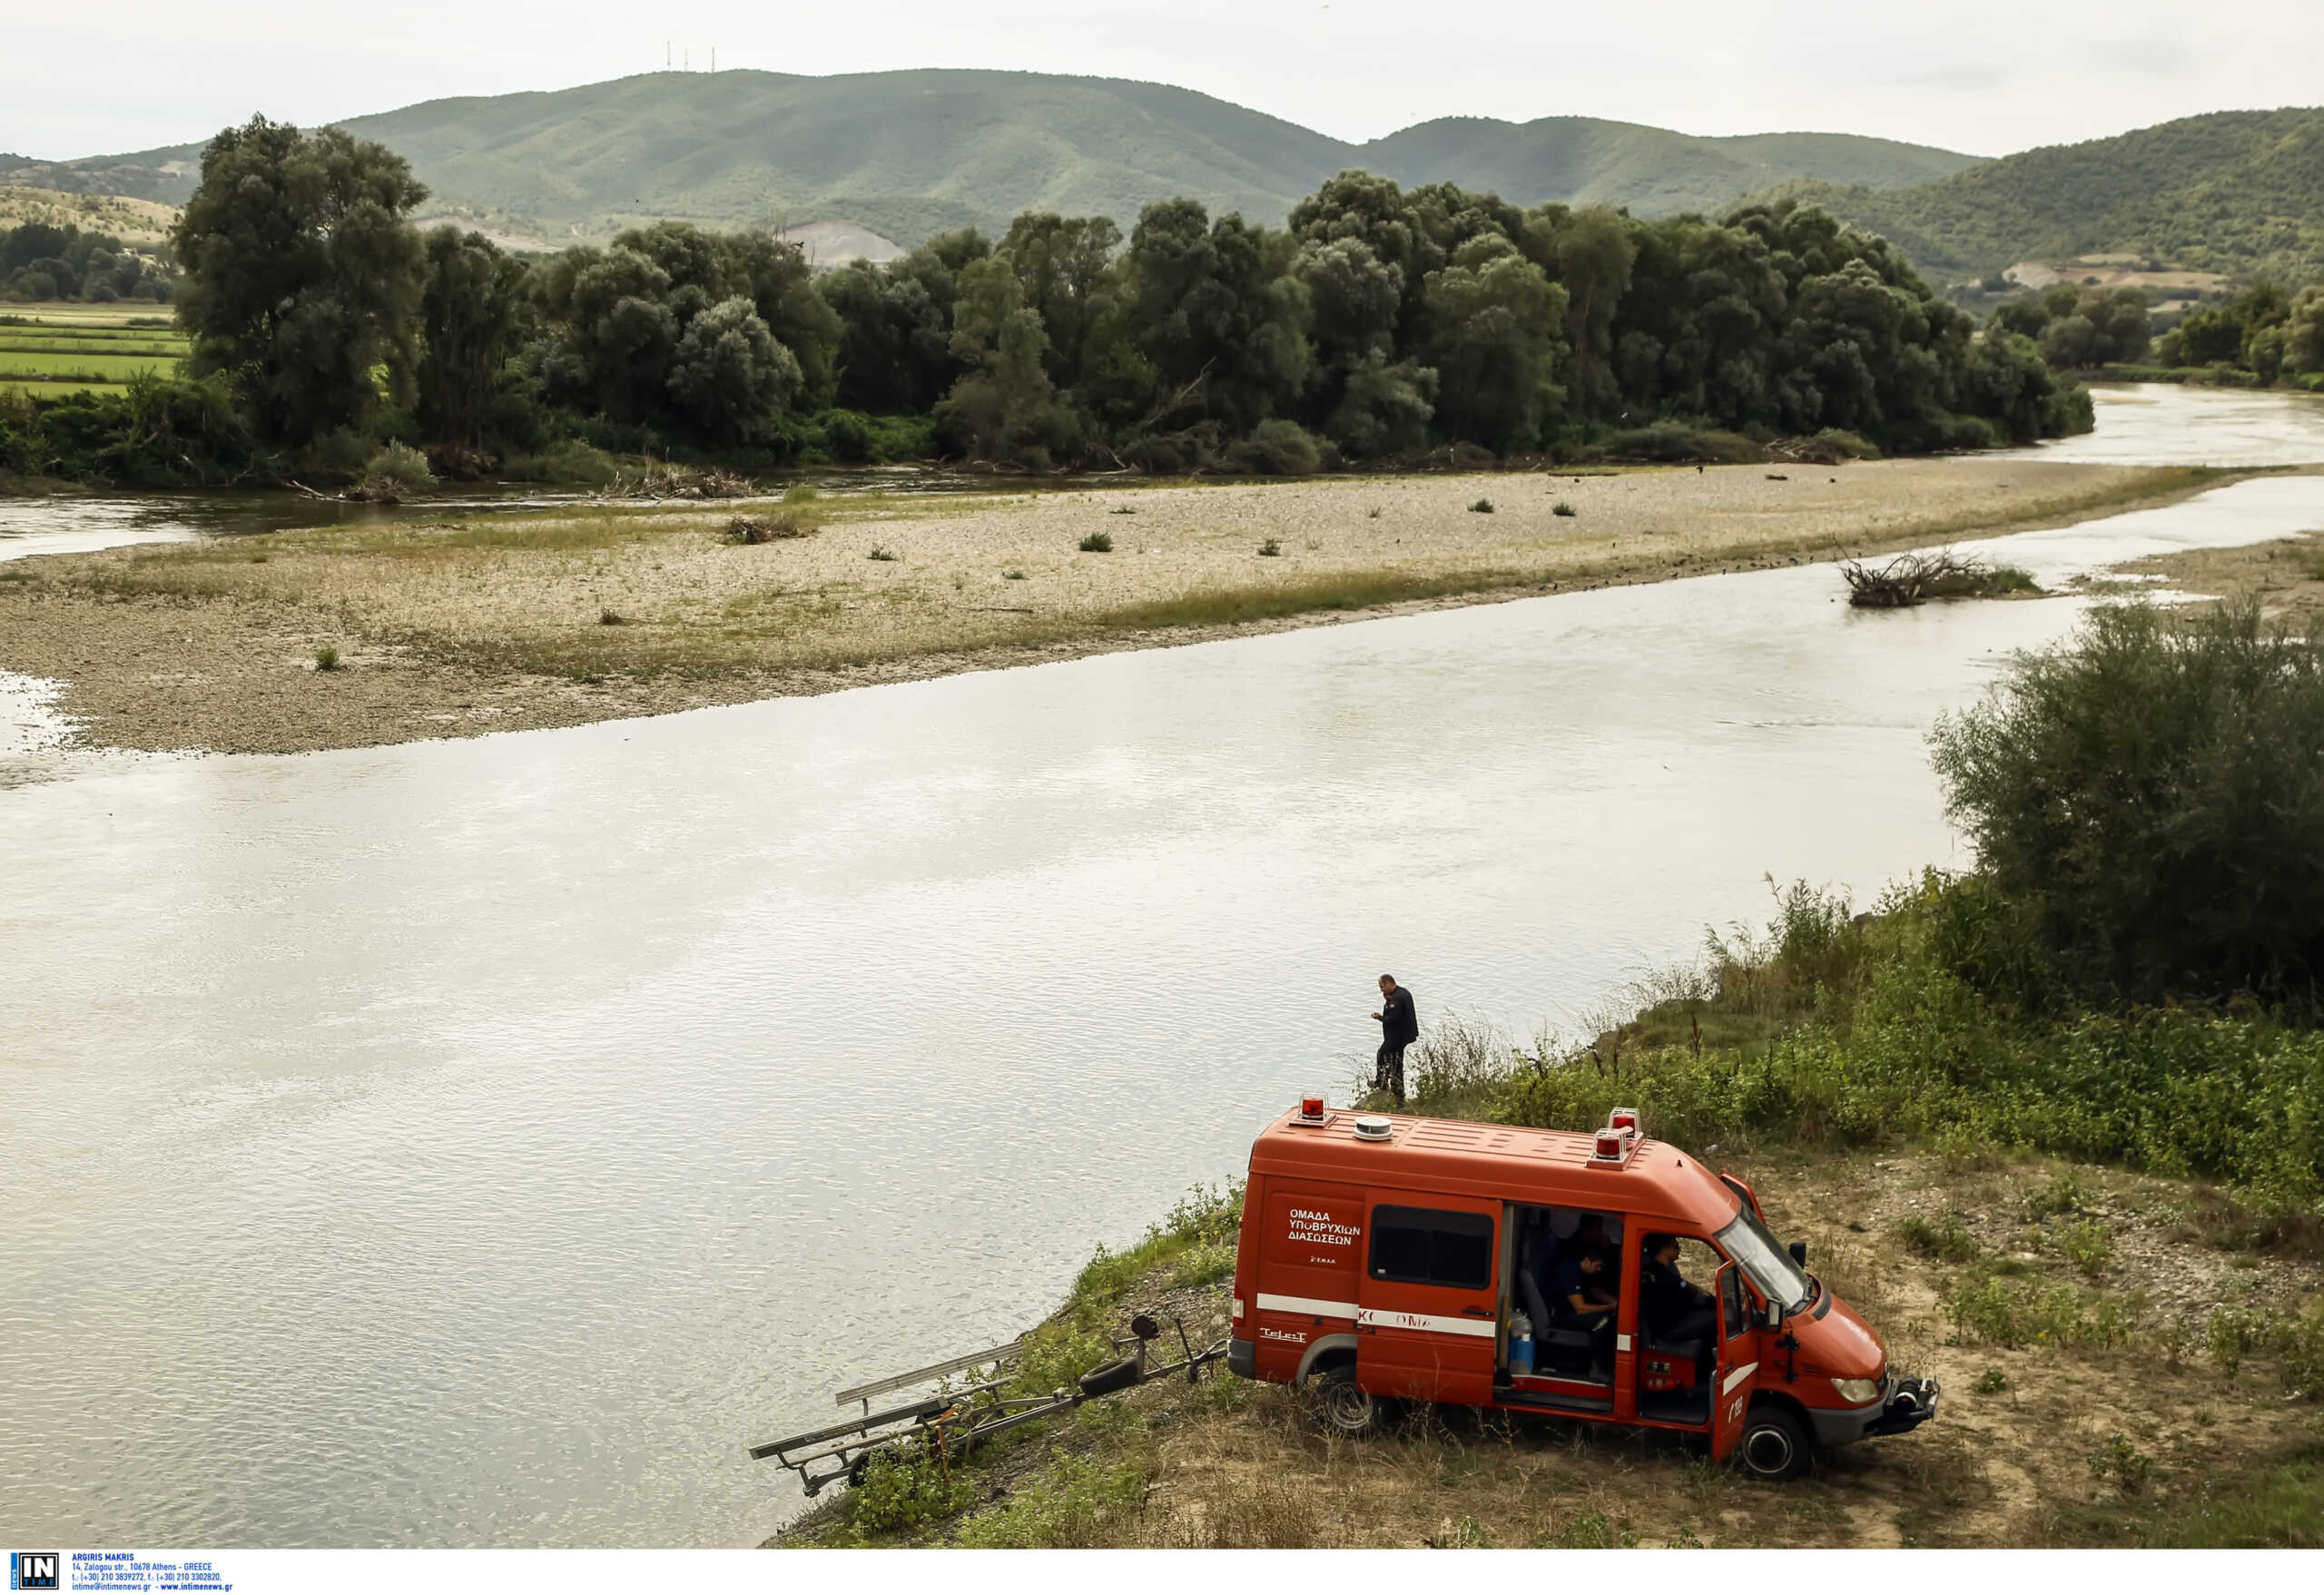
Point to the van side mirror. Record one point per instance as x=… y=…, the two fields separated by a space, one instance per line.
x=1799 y=1250
x=1775 y=1316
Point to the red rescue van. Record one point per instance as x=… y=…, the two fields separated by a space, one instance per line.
x=1386 y=1259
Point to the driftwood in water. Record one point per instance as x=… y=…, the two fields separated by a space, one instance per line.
x=664 y=479
x=1914 y=578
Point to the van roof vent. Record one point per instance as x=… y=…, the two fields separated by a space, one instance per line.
x=1372 y=1127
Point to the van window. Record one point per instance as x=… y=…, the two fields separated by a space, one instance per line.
x=1752 y=1244
x=1427 y=1246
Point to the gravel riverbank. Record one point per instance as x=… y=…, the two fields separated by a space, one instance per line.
x=460 y=627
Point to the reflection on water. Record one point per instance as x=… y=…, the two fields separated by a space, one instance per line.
x=484 y=1141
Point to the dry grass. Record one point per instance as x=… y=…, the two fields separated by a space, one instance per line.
x=976 y=580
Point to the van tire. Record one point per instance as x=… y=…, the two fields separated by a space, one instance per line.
x=1775 y=1443
x=1346 y=1408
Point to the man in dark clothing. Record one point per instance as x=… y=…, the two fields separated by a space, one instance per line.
x=1672 y=1310
x=1399 y=1028
x=1579 y=1299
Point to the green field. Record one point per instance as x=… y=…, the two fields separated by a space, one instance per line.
x=51 y=350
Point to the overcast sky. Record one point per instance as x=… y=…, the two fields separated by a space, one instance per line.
x=1987 y=76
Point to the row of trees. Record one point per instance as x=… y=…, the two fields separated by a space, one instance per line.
x=2263 y=330
x=2080 y=329
x=40 y=261
x=1379 y=323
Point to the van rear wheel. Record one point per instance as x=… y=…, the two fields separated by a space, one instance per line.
x=1344 y=1406
x=1774 y=1444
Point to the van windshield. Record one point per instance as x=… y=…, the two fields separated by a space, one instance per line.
x=1757 y=1251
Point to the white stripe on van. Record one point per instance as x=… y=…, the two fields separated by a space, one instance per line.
x=1379 y=1318
x=1737 y=1377
x=1427 y=1323
x=1307 y=1304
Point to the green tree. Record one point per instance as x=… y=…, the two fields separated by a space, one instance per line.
x=1064 y=265
x=472 y=309
x=1213 y=306
x=1368 y=402
x=2152 y=795
x=303 y=275
x=729 y=376
x=775 y=276
x=1495 y=338
x=894 y=352
x=1589 y=254
x=1006 y=407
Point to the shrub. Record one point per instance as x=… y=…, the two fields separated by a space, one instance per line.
x=1012 y=574
x=901 y=1492
x=1561 y=509
x=1946 y=1239
x=1066 y=1507
x=2128 y=1466
x=2063 y=1194
x=2295 y=1340
x=884 y=555
x=571 y=461
x=1276 y=447
x=789 y=522
x=394 y=473
x=1675 y=441
x=1998 y=1310
x=1831 y=445
x=2152 y=796
x=2088 y=1245
x=325 y=658
x=1160 y=456
x=1096 y=543
x=846 y=436
x=1270 y=549
x=1482 y=507
x=1992 y=1382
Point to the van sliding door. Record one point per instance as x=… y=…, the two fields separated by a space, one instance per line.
x=1429 y=1321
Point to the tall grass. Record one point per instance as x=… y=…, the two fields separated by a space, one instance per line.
x=1827 y=1030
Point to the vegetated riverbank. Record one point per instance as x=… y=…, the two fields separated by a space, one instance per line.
x=2129 y=1357
x=2084 y=1403
x=519 y=621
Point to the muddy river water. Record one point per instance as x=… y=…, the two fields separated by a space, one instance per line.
x=483 y=1142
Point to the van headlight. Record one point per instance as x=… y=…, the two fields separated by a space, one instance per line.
x=1857 y=1392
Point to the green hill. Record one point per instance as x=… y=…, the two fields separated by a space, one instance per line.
x=1651 y=170
x=908 y=153
x=2237 y=191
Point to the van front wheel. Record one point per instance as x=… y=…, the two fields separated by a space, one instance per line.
x=1774 y=1444
x=1345 y=1407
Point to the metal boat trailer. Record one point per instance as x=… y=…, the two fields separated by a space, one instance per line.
x=949 y=1424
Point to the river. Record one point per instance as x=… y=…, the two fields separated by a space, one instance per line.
x=482 y=1142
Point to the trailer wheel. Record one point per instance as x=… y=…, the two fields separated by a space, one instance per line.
x=1345 y=1407
x=1775 y=1443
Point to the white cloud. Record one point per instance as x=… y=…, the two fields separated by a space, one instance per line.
x=1983 y=75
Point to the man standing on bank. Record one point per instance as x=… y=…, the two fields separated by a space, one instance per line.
x=1399 y=1028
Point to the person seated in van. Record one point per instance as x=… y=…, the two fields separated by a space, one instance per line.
x=1672 y=1310
x=1579 y=1299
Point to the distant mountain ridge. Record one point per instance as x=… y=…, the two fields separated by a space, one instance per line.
x=910 y=153
x=2237 y=191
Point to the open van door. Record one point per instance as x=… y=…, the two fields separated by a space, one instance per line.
x=1733 y=1374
